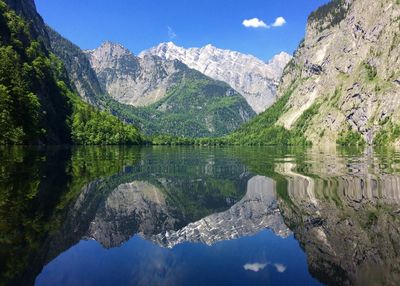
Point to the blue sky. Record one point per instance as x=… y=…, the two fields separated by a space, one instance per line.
x=141 y=24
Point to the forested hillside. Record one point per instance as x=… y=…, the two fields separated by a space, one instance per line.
x=36 y=102
x=197 y=107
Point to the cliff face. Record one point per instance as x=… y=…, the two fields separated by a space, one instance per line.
x=348 y=67
x=82 y=76
x=27 y=9
x=132 y=80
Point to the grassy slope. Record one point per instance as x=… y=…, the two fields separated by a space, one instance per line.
x=196 y=107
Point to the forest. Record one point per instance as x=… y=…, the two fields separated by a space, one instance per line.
x=37 y=105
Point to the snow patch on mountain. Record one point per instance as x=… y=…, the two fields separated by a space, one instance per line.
x=256 y=80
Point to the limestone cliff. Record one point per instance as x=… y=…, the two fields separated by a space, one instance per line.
x=347 y=68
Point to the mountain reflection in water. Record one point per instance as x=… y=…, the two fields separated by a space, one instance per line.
x=229 y=216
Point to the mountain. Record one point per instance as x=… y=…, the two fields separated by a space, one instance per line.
x=254 y=79
x=169 y=97
x=81 y=75
x=343 y=83
x=132 y=80
x=37 y=102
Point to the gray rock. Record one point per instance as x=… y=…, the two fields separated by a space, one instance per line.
x=349 y=63
x=251 y=77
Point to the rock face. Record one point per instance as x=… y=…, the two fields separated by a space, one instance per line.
x=171 y=98
x=82 y=76
x=251 y=77
x=132 y=80
x=349 y=68
x=27 y=9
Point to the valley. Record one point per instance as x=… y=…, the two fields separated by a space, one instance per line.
x=199 y=142
x=340 y=87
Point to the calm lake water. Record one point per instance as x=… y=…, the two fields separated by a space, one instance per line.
x=199 y=216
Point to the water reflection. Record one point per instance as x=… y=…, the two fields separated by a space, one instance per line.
x=256 y=211
x=183 y=212
x=345 y=214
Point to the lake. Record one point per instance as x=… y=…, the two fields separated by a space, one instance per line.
x=199 y=216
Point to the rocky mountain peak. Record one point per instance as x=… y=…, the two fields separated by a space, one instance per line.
x=168 y=44
x=209 y=47
x=279 y=61
x=112 y=49
x=250 y=76
x=111 y=56
x=145 y=82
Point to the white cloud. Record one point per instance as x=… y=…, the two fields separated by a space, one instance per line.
x=254 y=23
x=171 y=33
x=254 y=266
x=279 y=22
x=280 y=267
x=257 y=23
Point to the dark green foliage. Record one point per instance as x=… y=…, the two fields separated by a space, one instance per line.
x=32 y=107
x=370 y=70
x=199 y=107
x=40 y=188
x=175 y=141
x=387 y=135
x=93 y=127
x=334 y=12
x=350 y=138
x=262 y=130
x=35 y=103
x=37 y=187
x=90 y=126
x=303 y=122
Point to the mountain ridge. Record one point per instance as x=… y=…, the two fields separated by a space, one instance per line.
x=254 y=79
x=129 y=79
x=166 y=96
